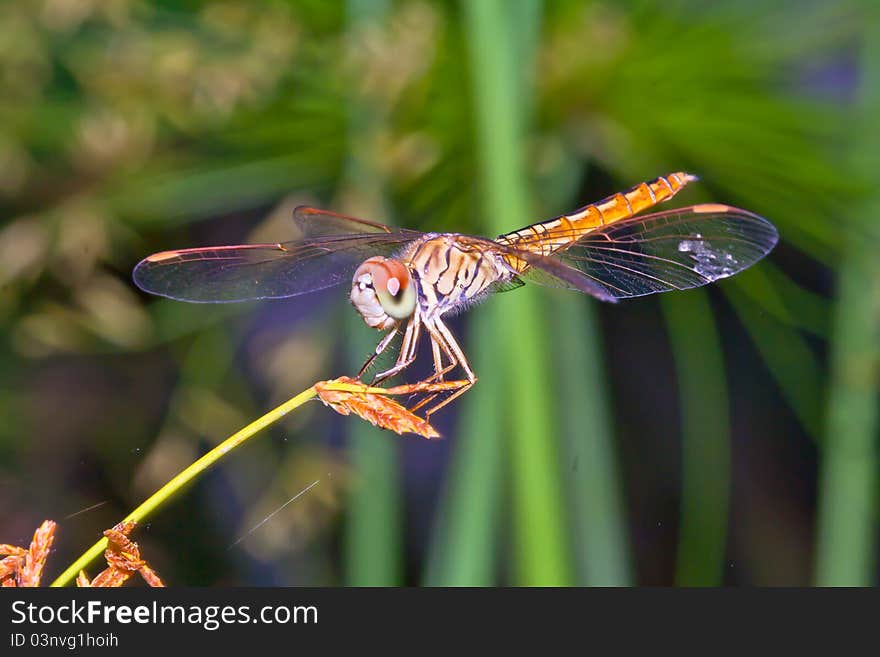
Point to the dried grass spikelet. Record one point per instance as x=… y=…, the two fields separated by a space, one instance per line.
x=24 y=567
x=346 y=395
x=123 y=560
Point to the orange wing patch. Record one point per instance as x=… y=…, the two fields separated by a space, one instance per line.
x=707 y=208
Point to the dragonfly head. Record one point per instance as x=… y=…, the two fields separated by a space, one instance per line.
x=383 y=292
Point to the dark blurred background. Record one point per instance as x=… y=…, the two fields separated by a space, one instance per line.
x=717 y=436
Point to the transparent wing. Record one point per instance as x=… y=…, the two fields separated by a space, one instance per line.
x=527 y=266
x=321 y=223
x=673 y=250
x=327 y=256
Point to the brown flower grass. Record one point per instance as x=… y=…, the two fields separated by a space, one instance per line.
x=346 y=395
x=23 y=567
x=123 y=560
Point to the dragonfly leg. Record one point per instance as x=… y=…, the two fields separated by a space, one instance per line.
x=408 y=350
x=378 y=350
x=438 y=358
x=453 y=348
x=447 y=341
x=438 y=347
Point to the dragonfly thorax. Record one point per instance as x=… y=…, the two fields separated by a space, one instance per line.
x=383 y=292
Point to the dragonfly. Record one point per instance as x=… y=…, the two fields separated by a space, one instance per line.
x=405 y=282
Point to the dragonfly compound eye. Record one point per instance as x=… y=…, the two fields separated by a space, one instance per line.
x=383 y=291
x=394 y=287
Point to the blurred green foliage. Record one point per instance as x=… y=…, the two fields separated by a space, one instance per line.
x=128 y=127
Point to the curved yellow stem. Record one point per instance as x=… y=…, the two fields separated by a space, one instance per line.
x=186 y=475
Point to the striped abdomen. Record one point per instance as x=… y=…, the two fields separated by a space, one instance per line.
x=555 y=235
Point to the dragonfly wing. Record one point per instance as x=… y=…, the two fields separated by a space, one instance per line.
x=317 y=223
x=673 y=250
x=553 y=272
x=529 y=266
x=263 y=271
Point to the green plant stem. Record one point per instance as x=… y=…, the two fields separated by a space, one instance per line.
x=372 y=539
x=705 y=456
x=463 y=548
x=373 y=544
x=185 y=476
x=847 y=523
x=846 y=554
x=497 y=62
x=597 y=515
